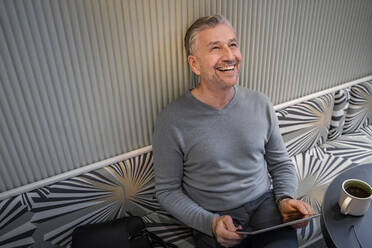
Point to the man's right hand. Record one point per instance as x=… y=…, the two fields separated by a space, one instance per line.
x=224 y=231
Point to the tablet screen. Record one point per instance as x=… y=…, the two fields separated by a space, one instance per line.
x=289 y=223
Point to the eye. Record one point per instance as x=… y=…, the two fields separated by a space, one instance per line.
x=215 y=48
x=234 y=44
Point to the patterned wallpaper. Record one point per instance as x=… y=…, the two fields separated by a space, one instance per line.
x=46 y=217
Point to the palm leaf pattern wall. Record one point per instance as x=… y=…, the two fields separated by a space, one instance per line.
x=169 y=229
x=306 y=124
x=338 y=114
x=124 y=188
x=16 y=230
x=367 y=131
x=135 y=177
x=314 y=174
x=360 y=105
x=90 y=198
x=317 y=160
x=355 y=147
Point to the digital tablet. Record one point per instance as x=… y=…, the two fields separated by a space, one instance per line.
x=289 y=223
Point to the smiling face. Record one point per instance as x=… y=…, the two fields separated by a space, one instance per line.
x=216 y=57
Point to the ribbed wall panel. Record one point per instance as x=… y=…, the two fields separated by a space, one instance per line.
x=82 y=81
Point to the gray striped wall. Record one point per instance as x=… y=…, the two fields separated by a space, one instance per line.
x=82 y=81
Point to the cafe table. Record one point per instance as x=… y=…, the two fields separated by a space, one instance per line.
x=345 y=230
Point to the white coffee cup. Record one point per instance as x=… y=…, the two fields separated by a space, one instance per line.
x=355 y=197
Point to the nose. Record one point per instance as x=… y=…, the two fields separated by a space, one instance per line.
x=227 y=53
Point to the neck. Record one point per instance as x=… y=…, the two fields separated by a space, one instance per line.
x=214 y=97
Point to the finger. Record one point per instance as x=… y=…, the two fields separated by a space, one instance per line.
x=233 y=241
x=224 y=236
x=227 y=220
x=309 y=209
x=289 y=205
x=293 y=216
x=301 y=225
x=223 y=229
x=227 y=241
x=228 y=235
x=242 y=236
x=301 y=207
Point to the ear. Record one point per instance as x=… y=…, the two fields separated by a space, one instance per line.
x=194 y=64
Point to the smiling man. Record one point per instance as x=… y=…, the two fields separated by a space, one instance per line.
x=215 y=147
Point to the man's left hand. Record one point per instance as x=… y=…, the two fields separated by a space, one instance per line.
x=292 y=209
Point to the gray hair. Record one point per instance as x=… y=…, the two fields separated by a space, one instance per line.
x=198 y=26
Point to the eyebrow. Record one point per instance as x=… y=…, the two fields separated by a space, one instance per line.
x=212 y=43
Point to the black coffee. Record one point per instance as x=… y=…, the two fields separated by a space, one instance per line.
x=358 y=192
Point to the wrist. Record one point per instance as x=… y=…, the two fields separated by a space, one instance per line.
x=282 y=198
x=214 y=224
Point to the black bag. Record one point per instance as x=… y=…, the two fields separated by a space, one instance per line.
x=127 y=232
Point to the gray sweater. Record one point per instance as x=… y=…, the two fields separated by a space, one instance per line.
x=210 y=160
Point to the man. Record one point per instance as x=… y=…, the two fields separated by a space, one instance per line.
x=215 y=146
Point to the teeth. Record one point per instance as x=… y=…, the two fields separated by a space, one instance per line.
x=227 y=68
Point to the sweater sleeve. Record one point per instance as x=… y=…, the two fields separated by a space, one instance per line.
x=168 y=166
x=280 y=166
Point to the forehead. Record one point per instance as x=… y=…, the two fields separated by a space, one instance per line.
x=220 y=33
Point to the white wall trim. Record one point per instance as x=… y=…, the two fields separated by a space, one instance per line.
x=128 y=155
x=74 y=173
x=323 y=92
